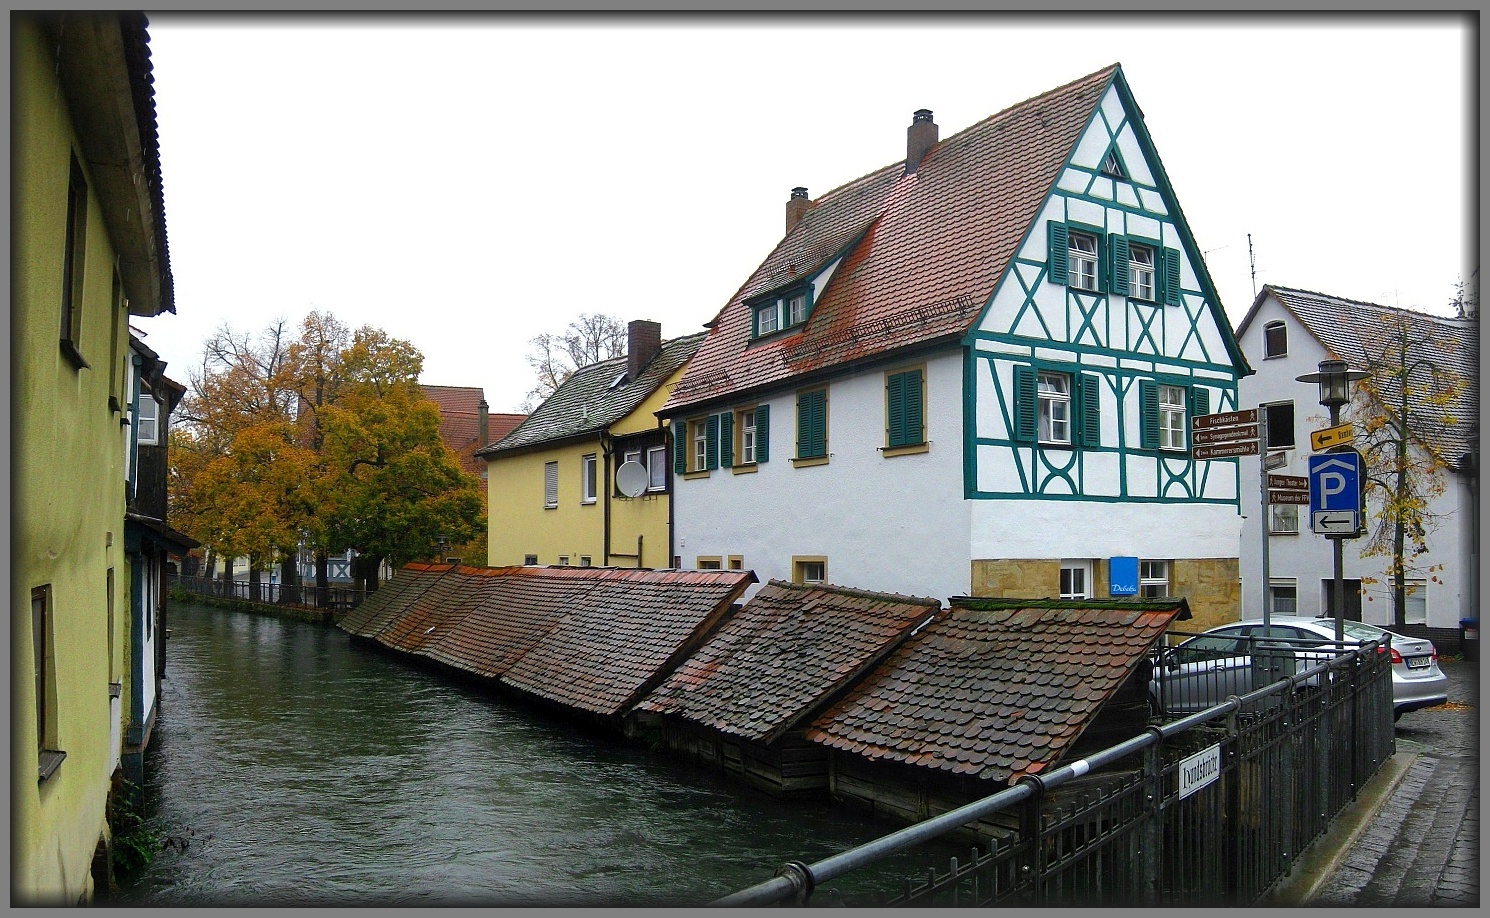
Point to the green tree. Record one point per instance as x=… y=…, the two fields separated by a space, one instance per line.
x=1408 y=429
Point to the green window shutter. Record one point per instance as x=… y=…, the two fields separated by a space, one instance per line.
x=762 y=432
x=1091 y=411
x=895 y=410
x=914 y=420
x=812 y=425
x=1117 y=246
x=727 y=438
x=1200 y=402
x=1025 y=404
x=711 y=442
x=1060 y=249
x=1172 y=276
x=1148 y=424
x=680 y=447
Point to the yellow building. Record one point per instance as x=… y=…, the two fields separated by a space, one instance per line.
x=585 y=479
x=88 y=250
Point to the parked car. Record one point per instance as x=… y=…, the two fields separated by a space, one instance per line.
x=1208 y=668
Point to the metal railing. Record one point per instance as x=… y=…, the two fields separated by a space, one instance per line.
x=302 y=595
x=1208 y=809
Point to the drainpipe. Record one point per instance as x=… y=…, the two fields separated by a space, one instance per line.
x=672 y=491
x=605 y=485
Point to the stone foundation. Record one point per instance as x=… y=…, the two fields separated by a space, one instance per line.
x=1211 y=586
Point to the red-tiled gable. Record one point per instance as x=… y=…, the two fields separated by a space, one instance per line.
x=501 y=424
x=392 y=599
x=460 y=422
x=781 y=656
x=935 y=242
x=996 y=688
x=625 y=637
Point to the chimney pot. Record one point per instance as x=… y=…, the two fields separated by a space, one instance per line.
x=920 y=137
x=796 y=207
x=483 y=412
x=643 y=342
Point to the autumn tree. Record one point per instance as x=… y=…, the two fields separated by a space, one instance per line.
x=1409 y=413
x=589 y=339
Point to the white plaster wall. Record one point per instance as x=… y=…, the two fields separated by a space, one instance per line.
x=895 y=524
x=1102 y=529
x=1307 y=558
x=146 y=681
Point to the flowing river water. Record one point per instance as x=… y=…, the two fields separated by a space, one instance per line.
x=292 y=767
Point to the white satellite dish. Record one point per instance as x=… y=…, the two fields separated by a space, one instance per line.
x=631 y=478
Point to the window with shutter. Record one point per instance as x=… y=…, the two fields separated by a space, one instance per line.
x=812 y=424
x=550 y=485
x=1091 y=410
x=1057 y=244
x=904 y=410
x=680 y=447
x=1200 y=401
x=1275 y=340
x=727 y=439
x=1117 y=250
x=1172 y=277
x=1054 y=392
x=1148 y=414
x=711 y=442
x=762 y=433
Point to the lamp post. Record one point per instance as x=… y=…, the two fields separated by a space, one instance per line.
x=1334 y=379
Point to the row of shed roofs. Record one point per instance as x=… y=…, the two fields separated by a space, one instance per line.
x=989 y=689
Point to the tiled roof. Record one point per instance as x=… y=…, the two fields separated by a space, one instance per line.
x=589 y=401
x=460 y=422
x=591 y=639
x=995 y=688
x=781 y=656
x=1347 y=328
x=935 y=242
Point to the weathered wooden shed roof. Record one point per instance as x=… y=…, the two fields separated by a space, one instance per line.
x=996 y=688
x=785 y=653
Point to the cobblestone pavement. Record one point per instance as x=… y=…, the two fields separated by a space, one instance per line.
x=1421 y=847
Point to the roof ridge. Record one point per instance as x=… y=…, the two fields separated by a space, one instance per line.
x=1381 y=306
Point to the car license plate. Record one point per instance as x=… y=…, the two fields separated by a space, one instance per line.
x=1418 y=662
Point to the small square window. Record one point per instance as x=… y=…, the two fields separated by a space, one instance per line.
x=1153 y=579
x=584 y=560
x=1283 y=519
x=1285 y=596
x=563 y=560
x=809 y=570
x=530 y=559
x=708 y=563
x=1076 y=579
x=737 y=562
x=1275 y=340
x=1280 y=425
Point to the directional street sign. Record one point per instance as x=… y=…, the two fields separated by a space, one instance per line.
x=1288 y=497
x=1335 y=522
x=1289 y=483
x=1224 y=418
x=1335 y=492
x=1275 y=461
x=1321 y=440
x=1225 y=450
x=1224 y=434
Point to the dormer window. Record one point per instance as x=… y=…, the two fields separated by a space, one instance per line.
x=781 y=312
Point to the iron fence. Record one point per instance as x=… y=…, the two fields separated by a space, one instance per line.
x=1203 y=808
x=303 y=595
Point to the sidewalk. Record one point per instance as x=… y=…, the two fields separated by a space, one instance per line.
x=1412 y=836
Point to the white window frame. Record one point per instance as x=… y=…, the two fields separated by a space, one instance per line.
x=550 y=485
x=1286 y=589
x=747 y=437
x=699 y=437
x=796 y=309
x=1076 y=579
x=801 y=567
x=1283 y=519
x=1141 y=271
x=657 y=468
x=1268 y=343
x=1081 y=260
x=771 y=310
x=1054 y=394
x=149 y=421
x=1172 y=419
x=1153 y=576
x=587 y=478
x=1415 y=602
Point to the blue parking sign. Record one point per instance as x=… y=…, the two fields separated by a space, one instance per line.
x=1335 y=492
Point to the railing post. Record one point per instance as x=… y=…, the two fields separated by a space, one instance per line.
x=1031 y=830
x=1291 y=794
x=1151 y=860
x=1233 y=804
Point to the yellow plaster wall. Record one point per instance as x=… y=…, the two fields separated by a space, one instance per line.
x=517 y=522
x=67 y=488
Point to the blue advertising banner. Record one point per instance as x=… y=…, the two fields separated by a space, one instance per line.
x=1122 y=576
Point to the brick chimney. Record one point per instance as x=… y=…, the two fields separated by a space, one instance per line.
x=919 y=138
x=643 y=342
x=796 y=206
x=482 y=427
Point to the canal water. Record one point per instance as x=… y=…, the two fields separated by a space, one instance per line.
x=292 y=767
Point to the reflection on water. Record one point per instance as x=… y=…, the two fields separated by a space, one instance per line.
x=291 y=767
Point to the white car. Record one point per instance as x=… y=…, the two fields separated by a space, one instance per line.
x=1208 y=668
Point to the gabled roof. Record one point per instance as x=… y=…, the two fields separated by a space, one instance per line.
x=590 y=400
x=785 y=653
x=460 y=422
x=934 y=244
x=1346 y=328
x=996 y=688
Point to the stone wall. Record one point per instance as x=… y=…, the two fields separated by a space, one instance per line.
x=1211 y=586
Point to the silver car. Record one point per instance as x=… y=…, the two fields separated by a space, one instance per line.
x=1206 y=669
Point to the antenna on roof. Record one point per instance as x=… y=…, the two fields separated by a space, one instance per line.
x=1252 y=258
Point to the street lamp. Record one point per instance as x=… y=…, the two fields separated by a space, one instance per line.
x=1334 y=379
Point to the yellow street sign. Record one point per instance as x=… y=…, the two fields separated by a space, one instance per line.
x=1321 y=440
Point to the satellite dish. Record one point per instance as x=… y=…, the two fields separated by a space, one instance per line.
x=631 y=478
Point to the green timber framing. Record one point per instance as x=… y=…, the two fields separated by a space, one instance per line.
x=1060 y=473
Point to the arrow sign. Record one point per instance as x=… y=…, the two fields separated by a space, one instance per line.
x=1223 y=418
x=1224 y=434
x=1225 y=450
x=1288 y=497
x=1334 y=522
x=1321 y=440
x=1288 y=482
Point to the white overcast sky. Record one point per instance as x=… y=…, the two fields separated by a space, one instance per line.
x=469 y=182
